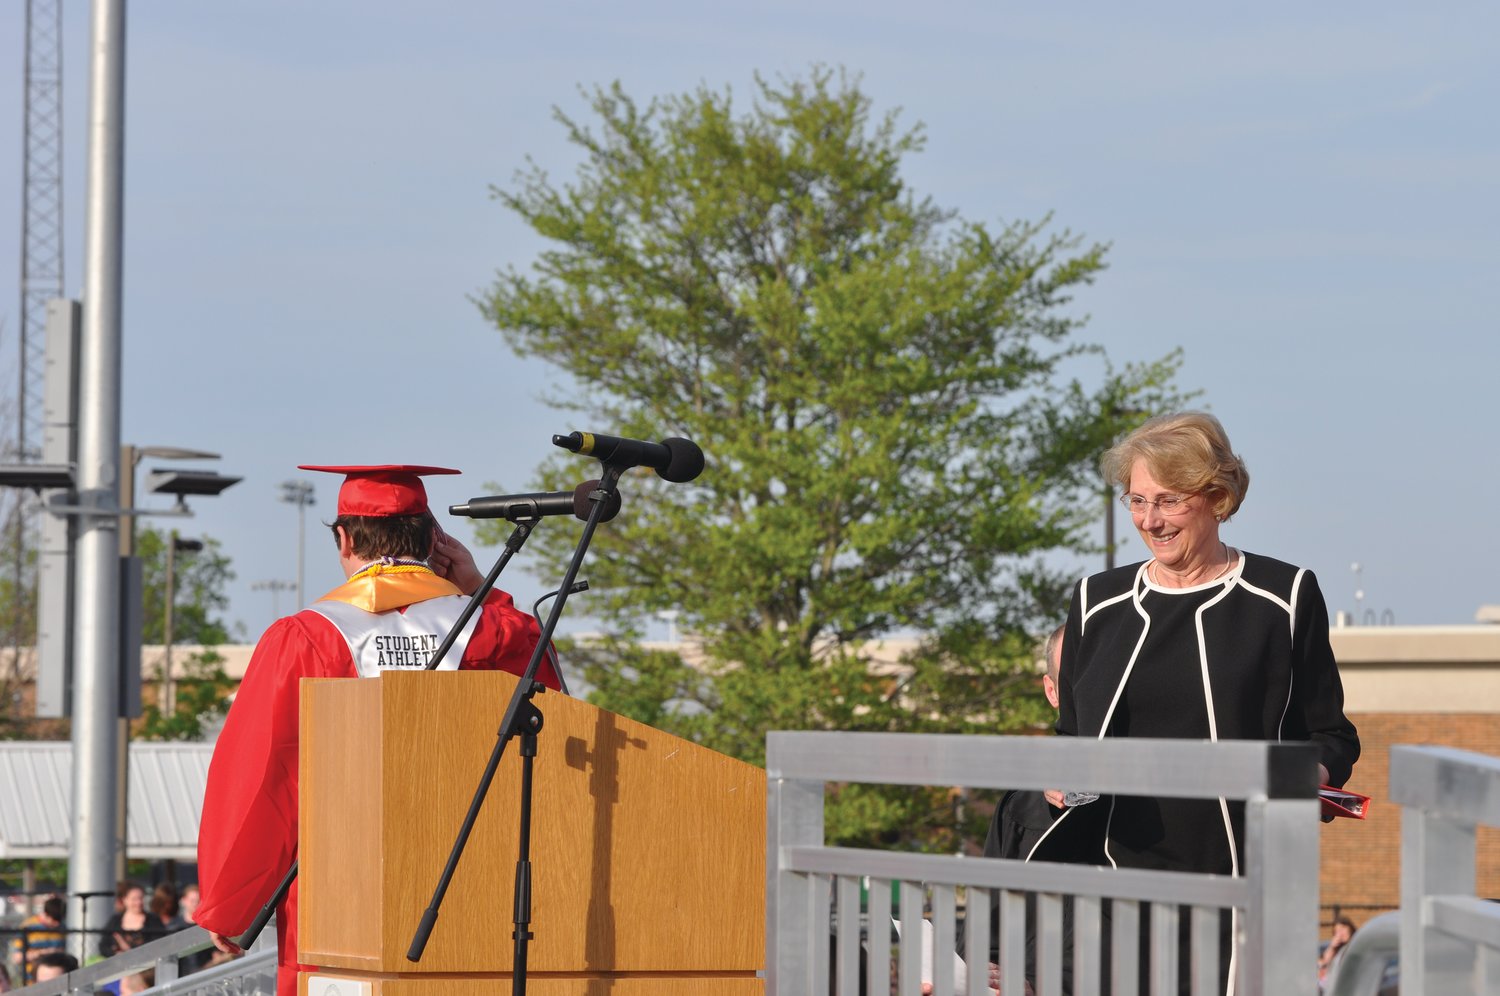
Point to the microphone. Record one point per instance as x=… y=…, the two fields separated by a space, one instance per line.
x=675 y=459
x=539 y=504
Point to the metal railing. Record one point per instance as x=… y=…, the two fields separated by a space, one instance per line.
x=812 y=949
x=1447 y=937
x=253 y=974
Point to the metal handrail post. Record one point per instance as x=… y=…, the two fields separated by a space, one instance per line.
x=794 y=816
x=1445 y=795
x=1281 y=865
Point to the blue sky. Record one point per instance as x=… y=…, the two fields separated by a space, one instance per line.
x=1304 y=199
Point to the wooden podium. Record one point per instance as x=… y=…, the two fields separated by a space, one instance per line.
x=648 y=851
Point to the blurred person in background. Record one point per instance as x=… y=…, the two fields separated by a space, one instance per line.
x=41 y=935
x=54 y=964
x=164 y=906
x=133 y=926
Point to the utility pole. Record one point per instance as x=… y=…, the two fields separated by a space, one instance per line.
x=166 y=701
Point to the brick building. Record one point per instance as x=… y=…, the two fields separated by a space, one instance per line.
x=1407 y=685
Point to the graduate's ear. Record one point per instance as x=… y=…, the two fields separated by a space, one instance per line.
x=346 y=543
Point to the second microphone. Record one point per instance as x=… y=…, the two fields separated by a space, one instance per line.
x=539 y=504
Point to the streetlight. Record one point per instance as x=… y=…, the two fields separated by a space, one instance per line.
x=89 y=633
x=176 y=543
x=274 y=587
x=1359 y=591
x=180 y=484
x=130 y=459
x=299 y=493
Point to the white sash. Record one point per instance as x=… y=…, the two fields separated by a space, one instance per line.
x=400 y=639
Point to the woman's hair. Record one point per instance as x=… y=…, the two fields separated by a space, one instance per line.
x=164 y=901
x=1187 y=452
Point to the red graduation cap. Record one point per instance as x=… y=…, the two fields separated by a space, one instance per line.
x=389 y=489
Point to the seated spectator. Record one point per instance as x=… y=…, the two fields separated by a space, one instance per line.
x=138 y=982
x=132 y=926
x=54 y=964
x=1333 y=951
x=187 y=905
x=40 y=934
x=165 y=907
x=187 y=908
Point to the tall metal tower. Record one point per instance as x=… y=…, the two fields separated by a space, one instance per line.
x=42 y=212
x=41 y=269
x=41 y=257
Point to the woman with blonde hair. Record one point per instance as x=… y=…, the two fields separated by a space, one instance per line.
x=1202 y=641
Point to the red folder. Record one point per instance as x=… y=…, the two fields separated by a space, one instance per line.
x=1342 y=802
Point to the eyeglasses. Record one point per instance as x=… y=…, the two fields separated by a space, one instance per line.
x=1166 y=504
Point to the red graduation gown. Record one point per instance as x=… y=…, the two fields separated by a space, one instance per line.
x=247 y=837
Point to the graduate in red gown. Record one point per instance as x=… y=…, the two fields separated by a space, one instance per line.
x=407 y=584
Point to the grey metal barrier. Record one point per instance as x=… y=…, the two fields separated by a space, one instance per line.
x=253 y=974
x=1450 y=937
x=813 y=944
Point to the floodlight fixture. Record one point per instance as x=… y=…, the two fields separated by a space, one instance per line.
x=172 y=453
x=37 y=476
x=188 y=482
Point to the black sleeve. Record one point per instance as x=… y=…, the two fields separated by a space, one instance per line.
x=1317 y=692
x=107 y=940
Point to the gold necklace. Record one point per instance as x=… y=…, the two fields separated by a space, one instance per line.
x=1155 y=576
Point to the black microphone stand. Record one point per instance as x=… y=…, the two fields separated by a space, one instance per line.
x=522 y=719
x=513 y=544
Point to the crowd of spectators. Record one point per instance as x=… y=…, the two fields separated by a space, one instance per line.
x=38 y=948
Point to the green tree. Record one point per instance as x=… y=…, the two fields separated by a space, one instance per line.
x=17 y=608
x=898 y=439
x=199 y=579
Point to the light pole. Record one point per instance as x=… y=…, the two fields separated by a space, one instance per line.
x=96 y=850
x=274 y=587
x=1359 y=592
x=299 y=493
x=179 y=484
x=176 y=543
